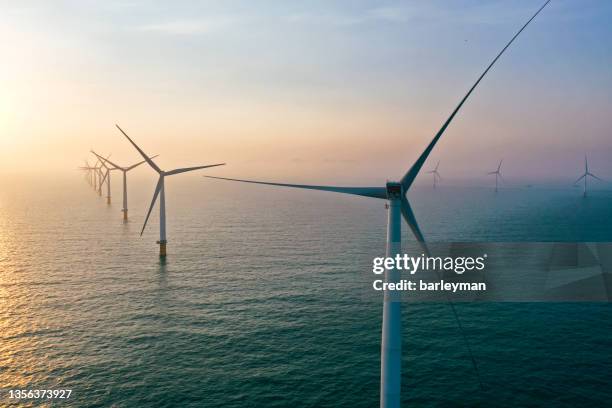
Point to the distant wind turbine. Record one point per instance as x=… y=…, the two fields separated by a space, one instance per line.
x=88 y=169
x=124 y=170
x=89 y=173
x=98 y=177
x=586 y=174
x=92 y=174
x=95 y=170
x=105 y=176
x=395 y=194
x=436 y=175
x=497 y=173
x=160 y=191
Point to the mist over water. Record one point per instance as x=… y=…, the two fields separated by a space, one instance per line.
x=259 y=303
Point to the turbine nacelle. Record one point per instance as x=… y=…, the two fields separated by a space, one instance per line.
x=395 y=191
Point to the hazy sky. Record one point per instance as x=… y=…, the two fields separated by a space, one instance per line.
x=337 y=91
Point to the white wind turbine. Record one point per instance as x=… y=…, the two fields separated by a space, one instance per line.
x=160 y=191
x=124 y=170
x=497 y=173
x=586 y=174
x=395 y=194
x=436 y=174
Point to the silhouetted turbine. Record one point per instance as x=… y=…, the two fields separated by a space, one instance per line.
x=586 y=174
x=497 y=174
x=436 y=175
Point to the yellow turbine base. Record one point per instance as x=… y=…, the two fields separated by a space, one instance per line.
x=125 y=215
x=108 y=200
x=162 y=249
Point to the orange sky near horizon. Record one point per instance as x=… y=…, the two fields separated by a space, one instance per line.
x=209 y=92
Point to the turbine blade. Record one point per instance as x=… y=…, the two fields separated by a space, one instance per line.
x=186 y=169
x=157 y=190
x=414 y=170
x=500 y=163
x=412 y=223
x=139 y=163
x=104 y=178
x=466 y=341
x=374 y=192
x=147 y=159
x=594 y=176
x=106 y=160
x=491 y=173
x=580 y=178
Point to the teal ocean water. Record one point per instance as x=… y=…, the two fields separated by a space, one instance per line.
x=259 y=304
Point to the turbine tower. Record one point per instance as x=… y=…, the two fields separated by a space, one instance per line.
x=436 y=175
x=586 y=174
x=159 y=191
x=497 y=173
x=398 y=206
x=124 y=170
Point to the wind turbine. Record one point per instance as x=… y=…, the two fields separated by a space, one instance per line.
x=92 y=174
x=95 y=169
x=104 y=176
x=89 y=173
x=88 y=169
x=97 y=179
x=124 y=170
x=436 y=175
x=497 y=173
x=586 y=174
x=398 y=206
x=160 y=191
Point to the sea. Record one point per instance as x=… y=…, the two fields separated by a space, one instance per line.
x=259 y=304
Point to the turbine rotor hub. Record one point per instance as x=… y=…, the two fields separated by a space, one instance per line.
x=394 y=190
